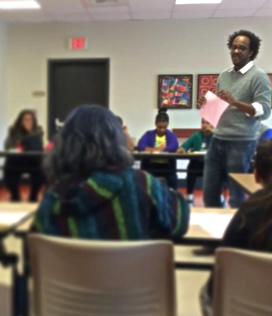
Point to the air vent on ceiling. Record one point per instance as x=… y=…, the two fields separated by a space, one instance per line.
x=95 y=3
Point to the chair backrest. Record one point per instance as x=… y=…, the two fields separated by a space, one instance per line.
x=242 y=283
x=102 y=278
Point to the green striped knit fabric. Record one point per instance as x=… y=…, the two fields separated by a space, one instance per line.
x=120 y=205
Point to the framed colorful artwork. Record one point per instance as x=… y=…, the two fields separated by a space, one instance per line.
x=206 y=83
x=175 y=91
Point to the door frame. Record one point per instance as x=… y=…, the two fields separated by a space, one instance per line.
x=52 y=63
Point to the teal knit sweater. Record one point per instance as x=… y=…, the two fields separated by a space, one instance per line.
x=194 y=142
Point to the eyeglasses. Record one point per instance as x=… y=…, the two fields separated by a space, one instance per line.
x=240 y=48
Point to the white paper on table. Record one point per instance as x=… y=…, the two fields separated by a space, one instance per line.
x=9 y=218
x=214 y=224
x=213 y=109
x=199 y=152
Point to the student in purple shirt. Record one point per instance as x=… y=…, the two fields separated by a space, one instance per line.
x=160 y=140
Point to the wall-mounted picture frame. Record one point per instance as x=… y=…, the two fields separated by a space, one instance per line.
x=175 y=91
x=205 y=83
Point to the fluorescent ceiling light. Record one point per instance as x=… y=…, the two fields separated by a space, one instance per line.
x=197 y=1
x=13 y=5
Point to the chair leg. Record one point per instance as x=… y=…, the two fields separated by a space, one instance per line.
x=20 y=287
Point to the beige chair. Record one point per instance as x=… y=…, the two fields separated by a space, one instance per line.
x=243 y=283
x=101 y=278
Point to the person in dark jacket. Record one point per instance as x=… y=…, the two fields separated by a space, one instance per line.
x=24 y=135
x=251 y=226
x=94 y=193
x=197 y=142
x=160 y=140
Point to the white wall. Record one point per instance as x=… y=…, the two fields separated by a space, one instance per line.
x=3 y=116
x=138 y=52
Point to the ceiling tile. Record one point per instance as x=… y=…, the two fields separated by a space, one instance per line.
x=73 y=18
x=68 y=9
x=59 y=16
x=192 y=14
x=234 y=4
x=62 y=6
x=60 y=2
x=109 y=16
x=268 y=4
x=151 y=5
x=76 y=10
x=94 y=3
x=151 y=15
x=110 y=9
x=233 y=13
x=109 y=13
x=24 y=16
x=195 y=7
x=264 y=12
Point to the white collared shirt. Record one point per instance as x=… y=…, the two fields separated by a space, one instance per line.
x=257 y=106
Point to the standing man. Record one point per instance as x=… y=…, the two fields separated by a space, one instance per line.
x=247 y=90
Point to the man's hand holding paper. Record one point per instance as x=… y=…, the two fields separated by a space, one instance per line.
x=213 y=109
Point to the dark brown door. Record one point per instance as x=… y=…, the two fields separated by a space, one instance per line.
x=73 y=82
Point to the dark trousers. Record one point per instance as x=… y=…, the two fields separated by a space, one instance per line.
x=15 y=167
x=12 y=180
x=222 y=158
x=162 y=170
x=195 y=170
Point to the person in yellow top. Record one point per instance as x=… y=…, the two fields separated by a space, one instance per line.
x=160 y=140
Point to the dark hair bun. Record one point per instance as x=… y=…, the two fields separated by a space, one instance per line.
x=161 y=111
x=162 y=116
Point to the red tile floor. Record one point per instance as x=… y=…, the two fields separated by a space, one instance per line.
x=24 y=192
x=198 y=197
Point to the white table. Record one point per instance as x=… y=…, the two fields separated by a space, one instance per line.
x=246 y=181
x=13 y=215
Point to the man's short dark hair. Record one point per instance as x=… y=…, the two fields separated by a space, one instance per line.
x=255 y=41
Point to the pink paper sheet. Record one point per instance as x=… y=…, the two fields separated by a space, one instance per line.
x=213 y=109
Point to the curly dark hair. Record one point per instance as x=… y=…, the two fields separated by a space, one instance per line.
x=255 y=41
x=91 y=139
x=17 y=126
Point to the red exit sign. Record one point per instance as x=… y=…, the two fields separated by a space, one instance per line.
x=78 y=43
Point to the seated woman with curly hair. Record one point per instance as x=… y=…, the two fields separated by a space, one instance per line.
x=24 y=135
x=94 y=192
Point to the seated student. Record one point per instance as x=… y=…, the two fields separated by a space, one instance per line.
x=251 y=226
x=265 y=135
x=160 y=140
x=24 y=135
x=129 y=142
x=199 y=141
x=94 y=192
